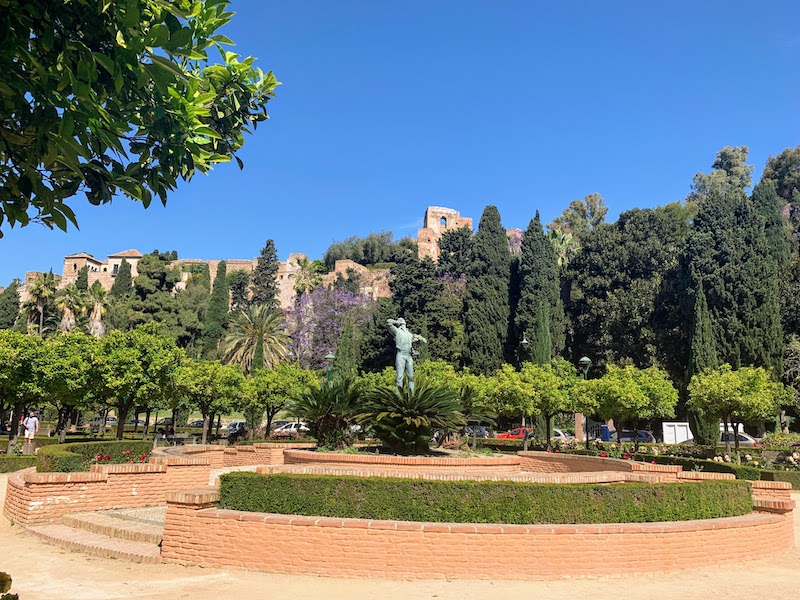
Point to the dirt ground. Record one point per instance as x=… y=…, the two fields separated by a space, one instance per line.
x=41 y=571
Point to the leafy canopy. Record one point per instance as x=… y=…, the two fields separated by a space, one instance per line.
x=116 y=96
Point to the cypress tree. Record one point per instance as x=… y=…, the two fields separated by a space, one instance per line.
x=123 y=283
x=217 y=312
x=264 y=283
x=9 y=305
x=82 y=282
x=487 y=311
x=703 y=356
x=539 y=314
x=346 y=363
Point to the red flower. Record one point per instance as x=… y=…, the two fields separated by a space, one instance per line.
x=652 y=462
x=558 y=451
x=108 y=457
x=99 y=457
x=603 y=455
x=127 y=453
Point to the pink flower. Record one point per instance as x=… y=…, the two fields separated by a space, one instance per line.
x=603 y=455
x=127 y=453
x=652 y=462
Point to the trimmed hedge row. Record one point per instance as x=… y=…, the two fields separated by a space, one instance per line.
x=66 y=458
x=11 y=463
x=481 y=501
x=792 y=477
x=694 y=464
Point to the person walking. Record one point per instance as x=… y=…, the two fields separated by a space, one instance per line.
x=31 y=424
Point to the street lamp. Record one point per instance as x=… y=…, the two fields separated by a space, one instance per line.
x=330 y=357
x=522 y=351
x=585 y=363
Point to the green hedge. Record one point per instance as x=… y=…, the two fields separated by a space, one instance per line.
x=11 y=463
x=481 y=501
x=710 y=466
x=65 y=458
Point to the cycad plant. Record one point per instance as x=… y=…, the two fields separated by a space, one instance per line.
x=330 y=411
x=405 y=420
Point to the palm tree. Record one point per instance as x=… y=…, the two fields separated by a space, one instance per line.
x=256 y=337
x=97 y=298
x=40 y=291
x=307 y=278
x=71 y=302
x=565 y=244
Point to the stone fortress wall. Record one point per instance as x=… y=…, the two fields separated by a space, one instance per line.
x=373 y=282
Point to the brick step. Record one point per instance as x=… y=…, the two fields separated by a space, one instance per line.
x=115 y=527
x=97 y=544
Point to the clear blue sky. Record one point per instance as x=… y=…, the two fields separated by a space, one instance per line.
x=388 y=107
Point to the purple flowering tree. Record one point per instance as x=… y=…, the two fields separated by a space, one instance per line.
x=318 y=320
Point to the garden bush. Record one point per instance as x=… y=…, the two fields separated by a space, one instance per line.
x=64 y=458
x=481 y=501
x=792 y=477
x=11 y=463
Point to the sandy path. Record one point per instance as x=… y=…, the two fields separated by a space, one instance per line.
x=48 y=572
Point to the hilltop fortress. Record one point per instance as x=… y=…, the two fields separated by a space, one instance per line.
x=372 y=282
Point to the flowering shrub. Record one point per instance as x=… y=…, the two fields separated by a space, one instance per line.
x=80 y=456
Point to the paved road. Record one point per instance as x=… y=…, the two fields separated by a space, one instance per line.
x=43 y=572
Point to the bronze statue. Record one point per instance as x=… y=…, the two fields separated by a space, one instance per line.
x=403 y=340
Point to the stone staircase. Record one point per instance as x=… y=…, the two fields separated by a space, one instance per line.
x=129 y=534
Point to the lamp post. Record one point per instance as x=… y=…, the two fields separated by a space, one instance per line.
x=522 y=350
x=330 y=357
x=585 y=363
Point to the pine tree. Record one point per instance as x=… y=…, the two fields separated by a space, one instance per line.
x=703 y=356
x=454 y=251
x=264 y=282
x=123 y=283
x=82 y=282
x=539 y=294
x=9 y=305
x=217 y=313
x=487 y=311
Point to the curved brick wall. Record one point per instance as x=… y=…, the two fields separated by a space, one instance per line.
x=198 y=533
x=418 y=463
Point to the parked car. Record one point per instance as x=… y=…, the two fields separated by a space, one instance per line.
x=165 y=422
x=279 y=423
x=517 y=433
x=236 y=429
x=195 y=423
x=645 y=437
x=291 y=430
x=479 y=430
x=559 y=435
x=97 y=422
x=136 y=422
x=745 y=440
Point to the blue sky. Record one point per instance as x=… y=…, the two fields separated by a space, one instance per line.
x=388 y=107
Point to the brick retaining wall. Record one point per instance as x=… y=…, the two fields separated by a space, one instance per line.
x=197 y=533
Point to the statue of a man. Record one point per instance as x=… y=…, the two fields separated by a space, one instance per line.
x=403 y=339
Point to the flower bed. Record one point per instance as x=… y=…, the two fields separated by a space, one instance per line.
x=65 y=458
x=481 y=501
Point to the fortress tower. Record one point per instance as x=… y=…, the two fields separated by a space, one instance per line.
x=438 y=220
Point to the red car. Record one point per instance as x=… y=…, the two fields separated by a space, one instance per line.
x=516 y=434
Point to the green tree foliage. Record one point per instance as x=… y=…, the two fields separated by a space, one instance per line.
x=486 y=306
x=267 y=391
x=135 y=369
x=21 y=356
x=330 y=409
x=123 y=283
x=619 y=278
x=217 y=313
x=581 y=217
x=68 y=376
x=350 y=283
x=790 y=298
x=71 y=301
x=256 y=337
x=377 y=344
x=9 y=305
x=767 y=204
x=264 y=282
x=730 y=174
x=77 y=79
x=374 y=249
x=308 y=276
x=739 y=396
x=211 y=387
x=629 y=395
x=455 y=247
x=238 y=284
x=347 y=353
x=703 y=356
x=82 y=282
x=539 y=315
x=728 y=250
x=784 y=171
